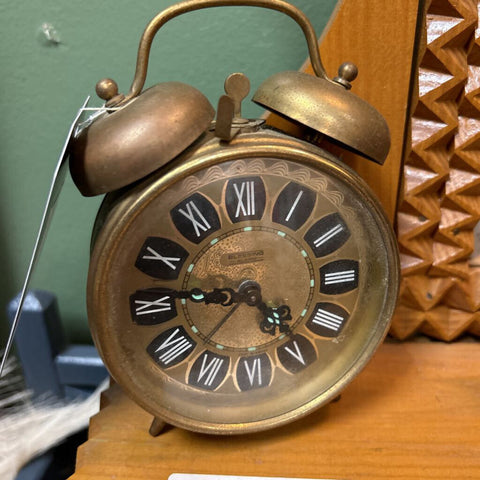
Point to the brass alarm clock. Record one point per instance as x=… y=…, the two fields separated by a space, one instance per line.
x=239 y=277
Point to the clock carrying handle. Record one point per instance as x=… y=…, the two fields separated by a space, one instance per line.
x=192 y=5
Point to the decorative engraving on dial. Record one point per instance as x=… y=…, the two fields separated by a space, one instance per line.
x=171 y=347
x=245 y=199
x=338 y=277
x=294 y=205
x=327 y=235
x=327 y=319
x=195 y=218
x=161 y=258
x=296 y=354
x=208 y=370
x=152 y=306
x=254 y=372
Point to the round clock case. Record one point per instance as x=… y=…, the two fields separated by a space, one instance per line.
x=242 y=285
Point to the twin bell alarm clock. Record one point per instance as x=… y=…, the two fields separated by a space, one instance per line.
x=239 y=277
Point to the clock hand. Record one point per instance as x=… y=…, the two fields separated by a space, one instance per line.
x=274 y=317
x=218 y=296
x=221 y=322
x=249 y=293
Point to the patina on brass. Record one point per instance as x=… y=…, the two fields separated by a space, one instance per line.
x=126 y=145
x=328 y=108
x=123 y=146
x=143 y=211
x=229 y=112
x=192 y=5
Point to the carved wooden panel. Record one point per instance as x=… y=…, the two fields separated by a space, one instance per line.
x=419 y=63
x=440 y=198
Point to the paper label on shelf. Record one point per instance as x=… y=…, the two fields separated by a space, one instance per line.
x=194 y=476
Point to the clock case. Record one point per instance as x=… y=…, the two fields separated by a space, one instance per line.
x=120 y=152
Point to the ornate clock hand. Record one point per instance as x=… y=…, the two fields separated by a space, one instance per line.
x=218 y=296
x=274 y=317
x=249 y=293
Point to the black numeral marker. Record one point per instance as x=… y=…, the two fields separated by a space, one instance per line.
x=327 y=235
x=245 y=199
x=327 y=320
x=209 y=370
x=293 y=206
x=171 y=347
x=254 y=372
x=195 y=218
x=161 y=258
x=152 y=306
x=339 y=277
x=296 y=354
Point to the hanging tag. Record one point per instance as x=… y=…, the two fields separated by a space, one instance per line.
x=55 y=188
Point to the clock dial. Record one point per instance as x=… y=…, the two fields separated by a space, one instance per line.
x=255 y=294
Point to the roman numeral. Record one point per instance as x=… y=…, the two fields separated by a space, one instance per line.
x=338 y=277
x=161 y=258
x=327 y=320
x=296 y=354
x=145 y=307
x=245 y=192
x=254 y=372
x=245 y=199
x=171 y=347
x=199 y=222
x=294 y=205
x=152 y=306
x=171 y=262
x=327 y=235
x=195 y=218
x=208 y=370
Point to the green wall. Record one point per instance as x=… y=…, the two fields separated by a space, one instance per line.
x=43 y=84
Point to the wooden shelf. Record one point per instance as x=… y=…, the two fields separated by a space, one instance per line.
x=413 y=413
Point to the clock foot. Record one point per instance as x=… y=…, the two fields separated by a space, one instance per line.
x=156 y=427
x=337 y=399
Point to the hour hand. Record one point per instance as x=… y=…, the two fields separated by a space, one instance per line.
x=275 y=317
x=218 y=296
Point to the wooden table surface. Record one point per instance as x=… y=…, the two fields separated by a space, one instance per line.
x=413 y=413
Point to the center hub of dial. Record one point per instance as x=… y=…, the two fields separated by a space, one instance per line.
x=268 y=267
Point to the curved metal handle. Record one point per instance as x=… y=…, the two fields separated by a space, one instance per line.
x=192 y=5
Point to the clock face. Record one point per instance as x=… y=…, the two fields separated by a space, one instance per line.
x=243 y=293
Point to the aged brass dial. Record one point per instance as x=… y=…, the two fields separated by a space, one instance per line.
x=243 y=285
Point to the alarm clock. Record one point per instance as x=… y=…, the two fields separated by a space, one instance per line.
x=239 y=277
